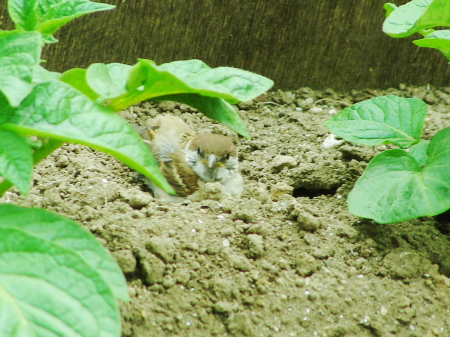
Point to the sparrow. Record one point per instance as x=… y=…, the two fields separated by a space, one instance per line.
x=186 y=159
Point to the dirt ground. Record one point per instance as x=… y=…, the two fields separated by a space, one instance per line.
x=285 y=260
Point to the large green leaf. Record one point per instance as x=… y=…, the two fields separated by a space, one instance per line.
x=419 y=152
x=76 y=77
x=417 y=15
x=54 y=14
x=149 y=81
x=70 y=235
x=56 y=110
x=108 y=80
x=191 y=82
x=194 y=83
x=213 y=107
x=14 y=88
x=104 y=81
x=19 y=57
x=236 y=85
x=19 y=54
x=16 y=162
x=47 y=276
x=43 y=75
x=381 y=120
x=23 y=13
x=395 y=187
x=12 y=321
x=439 y=39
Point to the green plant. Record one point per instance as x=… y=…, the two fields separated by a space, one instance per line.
x=420 y=16
x=55 y=278
x=401 y=184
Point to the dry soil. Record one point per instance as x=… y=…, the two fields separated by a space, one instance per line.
x=285 y=260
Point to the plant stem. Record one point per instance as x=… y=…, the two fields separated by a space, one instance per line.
x=47 y=148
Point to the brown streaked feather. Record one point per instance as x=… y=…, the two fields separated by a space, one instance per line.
x=166 y=137
x=166 y=125
x=179 y=175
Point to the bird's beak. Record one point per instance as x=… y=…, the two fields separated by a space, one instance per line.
x=211 y=161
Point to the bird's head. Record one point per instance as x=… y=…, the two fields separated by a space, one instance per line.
x=212 y=157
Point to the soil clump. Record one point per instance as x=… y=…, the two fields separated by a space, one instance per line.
x=287 y=259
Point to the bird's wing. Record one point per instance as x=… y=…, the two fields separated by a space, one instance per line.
x=167 y=135
x=179 y=175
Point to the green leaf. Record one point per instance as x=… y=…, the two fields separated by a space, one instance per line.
x=23 y=13
x=70 y=235
x=214 y=108
x=389 y=7
x=381 y=120
x=419 y=152
x=19 y=57
x=43 y=75
x=14 y=89
x=76 y=77
x=188 y=81
x=417 y=15
x=16 y=162
x=108 y=80
x=56 y=110
x=13 y=323
x=56 y=13
x=395 y=187
x=49 y=39
x=191 y=82
x=56 y=290
x=439 y=39
x=149 y=81
x=5 y=109
x=236 y=85
x=19 y=54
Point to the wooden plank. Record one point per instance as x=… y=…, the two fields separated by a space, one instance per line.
x=320 y=44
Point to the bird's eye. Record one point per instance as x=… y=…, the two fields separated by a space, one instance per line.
x=227 y=156
x=199 y=151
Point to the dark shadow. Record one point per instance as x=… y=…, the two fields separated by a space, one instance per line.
x=306 y=193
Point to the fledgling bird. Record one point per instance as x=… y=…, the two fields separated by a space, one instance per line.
x=186 y=159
